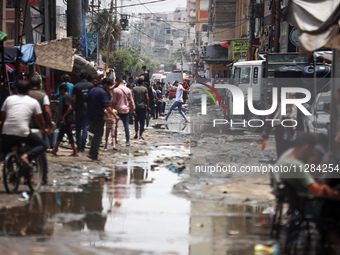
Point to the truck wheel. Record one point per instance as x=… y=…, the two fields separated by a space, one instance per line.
x=252 y=116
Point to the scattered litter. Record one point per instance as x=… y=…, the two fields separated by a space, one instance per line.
x=234 y=232
x=25 y=195
x=200 y=225
x=173 y=166
x=267 y=249
x=159 y=161
x=269 y=210
x=145 y=181
x=82 y=182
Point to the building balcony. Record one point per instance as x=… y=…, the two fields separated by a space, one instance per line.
x=192 y=13
x=215 y=54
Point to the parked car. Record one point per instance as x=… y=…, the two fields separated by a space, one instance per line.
x=319 y=121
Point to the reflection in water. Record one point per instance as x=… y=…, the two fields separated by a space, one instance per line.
x=127 y=214
x=119 y=188
x=22 y=221
x=215 y=225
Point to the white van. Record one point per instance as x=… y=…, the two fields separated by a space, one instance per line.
x=156 y=77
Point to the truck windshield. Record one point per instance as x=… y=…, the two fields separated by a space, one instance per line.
x=323 y=104
x=242 y=75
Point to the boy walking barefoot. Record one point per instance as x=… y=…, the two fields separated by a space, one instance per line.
x=111 y=127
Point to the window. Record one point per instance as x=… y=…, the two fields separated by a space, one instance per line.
x=242 y=75
x=179 y=18
x=168 y=31
x=204 y=28
x=10 y=30
x=323 y=104
x=10 y=4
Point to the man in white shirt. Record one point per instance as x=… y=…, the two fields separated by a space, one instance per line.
x=16 y=114
x=178 y=101
x=207 y=74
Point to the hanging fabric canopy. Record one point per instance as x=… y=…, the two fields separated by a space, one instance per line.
x=11 y=55
x=319 y=22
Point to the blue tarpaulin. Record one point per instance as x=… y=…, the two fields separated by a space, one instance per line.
x=28 y=55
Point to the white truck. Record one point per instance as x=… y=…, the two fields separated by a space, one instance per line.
x=259 y=75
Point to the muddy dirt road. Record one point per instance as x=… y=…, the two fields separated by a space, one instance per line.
x=143 y=199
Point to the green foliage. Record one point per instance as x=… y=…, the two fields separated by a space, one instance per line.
x=131 y=60
x=176 y=56
x=100 y=25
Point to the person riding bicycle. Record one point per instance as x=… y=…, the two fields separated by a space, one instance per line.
x=16 y=114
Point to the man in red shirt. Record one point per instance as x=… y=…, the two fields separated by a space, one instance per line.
x=185 y=94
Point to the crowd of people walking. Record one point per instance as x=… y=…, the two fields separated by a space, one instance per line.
x=92 y=104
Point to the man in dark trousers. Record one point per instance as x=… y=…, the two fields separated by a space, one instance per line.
x=16 y=113
x=141 y=97
x=98 y=101
x=44 y=102
x=185 y=94
x=67 y=113
x=80 y=92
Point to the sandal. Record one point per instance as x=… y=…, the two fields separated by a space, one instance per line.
x=51 y=151
x=73 y=155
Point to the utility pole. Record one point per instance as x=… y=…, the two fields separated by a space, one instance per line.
x=335 y=113
x=181 y=61
x=251 y=28
x=109 y=34
x=74 y=21
x=17 y=22
x=277 y=26
x=116 y=8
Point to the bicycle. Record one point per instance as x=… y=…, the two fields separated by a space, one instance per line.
x=14 y=170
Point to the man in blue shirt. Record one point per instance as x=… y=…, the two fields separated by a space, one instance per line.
x=65 y=80
x=97 y=102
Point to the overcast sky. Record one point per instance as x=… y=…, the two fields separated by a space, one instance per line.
x=166 y=6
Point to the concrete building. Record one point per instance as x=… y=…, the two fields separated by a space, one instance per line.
x=61 y=22
x=158 y=34
x=190 y=25
x=201 y=26
x=7 y=12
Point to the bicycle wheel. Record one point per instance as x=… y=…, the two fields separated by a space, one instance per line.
x=34 y=176
x=11 y=172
